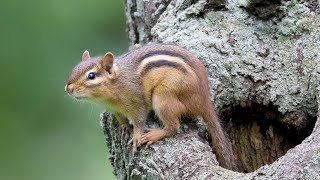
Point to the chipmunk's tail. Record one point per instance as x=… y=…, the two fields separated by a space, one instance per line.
x=220 y=142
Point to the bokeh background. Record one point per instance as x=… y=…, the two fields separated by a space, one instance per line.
x=44 y=134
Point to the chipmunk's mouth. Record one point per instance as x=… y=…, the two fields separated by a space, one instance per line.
x=77 y=95
x=80 y=97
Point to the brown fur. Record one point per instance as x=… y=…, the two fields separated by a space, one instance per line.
x=139 y=81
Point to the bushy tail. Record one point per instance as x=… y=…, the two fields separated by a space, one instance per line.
x=221 y=143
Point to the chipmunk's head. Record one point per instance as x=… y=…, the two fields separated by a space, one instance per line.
x=92 y=77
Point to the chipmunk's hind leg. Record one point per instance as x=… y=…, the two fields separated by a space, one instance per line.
x=169 y=110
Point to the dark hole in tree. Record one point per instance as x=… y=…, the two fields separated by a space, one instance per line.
x=258 y=135
x=264 y=9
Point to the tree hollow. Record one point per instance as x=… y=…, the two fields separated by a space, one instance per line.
x=259 y=136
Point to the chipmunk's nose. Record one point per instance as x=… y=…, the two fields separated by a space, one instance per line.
x=69 y=88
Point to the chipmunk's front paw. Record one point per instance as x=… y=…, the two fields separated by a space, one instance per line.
x=136 y=142
x=125 y=131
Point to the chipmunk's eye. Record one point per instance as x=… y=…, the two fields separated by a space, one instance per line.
x=91 y=76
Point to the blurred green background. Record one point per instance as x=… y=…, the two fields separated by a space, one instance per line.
x=46 y=135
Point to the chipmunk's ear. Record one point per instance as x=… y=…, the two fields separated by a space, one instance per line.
x=85 y=55
x=107 y=61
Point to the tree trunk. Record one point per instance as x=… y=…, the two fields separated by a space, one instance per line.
x=263 y=60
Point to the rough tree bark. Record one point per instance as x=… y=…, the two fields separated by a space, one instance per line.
x=263 y=63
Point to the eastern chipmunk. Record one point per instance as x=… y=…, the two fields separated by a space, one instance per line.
x=165 y=78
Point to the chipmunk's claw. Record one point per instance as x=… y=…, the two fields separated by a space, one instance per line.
x=136 y=142
x=125 y=131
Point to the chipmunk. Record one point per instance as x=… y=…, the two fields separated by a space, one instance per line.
x=165 y=78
